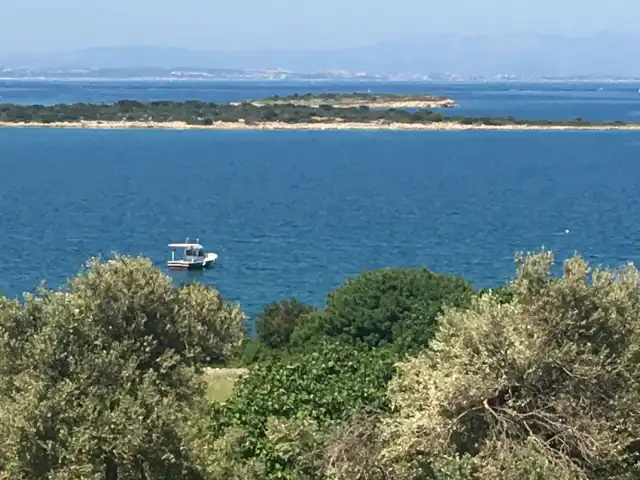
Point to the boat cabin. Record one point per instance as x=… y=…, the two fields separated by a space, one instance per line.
x=192 y=251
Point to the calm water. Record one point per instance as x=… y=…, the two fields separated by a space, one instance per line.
x=293 y=213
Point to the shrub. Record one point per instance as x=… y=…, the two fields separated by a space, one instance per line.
x=97 y=381
x=352 y=449
x=276 y=322
x=385 y=307
x=502 y=293
x=301 y=398
x=546 y=382
x=325 y=384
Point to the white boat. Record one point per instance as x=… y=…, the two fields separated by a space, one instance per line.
x=193 y=258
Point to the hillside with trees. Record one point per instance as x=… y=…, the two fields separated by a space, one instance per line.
x=402 y=374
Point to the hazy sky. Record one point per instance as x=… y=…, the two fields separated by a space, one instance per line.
x=47 y=25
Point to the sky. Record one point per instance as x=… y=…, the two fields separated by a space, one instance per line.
x=62 y=25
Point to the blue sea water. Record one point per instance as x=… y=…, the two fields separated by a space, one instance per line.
x=295 y=213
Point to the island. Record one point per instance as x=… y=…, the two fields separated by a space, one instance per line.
x=246 y=115
x=345 y=100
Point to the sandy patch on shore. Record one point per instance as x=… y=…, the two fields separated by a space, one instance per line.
x=334 y=125
x=445 y=103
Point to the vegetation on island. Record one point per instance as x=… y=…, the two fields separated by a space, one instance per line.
x=203 y=114
x=398 y=100
x=403 y=374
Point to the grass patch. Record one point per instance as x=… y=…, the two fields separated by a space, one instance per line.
x=220 y=382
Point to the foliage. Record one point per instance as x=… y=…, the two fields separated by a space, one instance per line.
x=96 y=381
x=537 y=379
x=542 y=386
x=301 y=398
x=220 y=382
x=327 y=383
x=353 y=448
x=219 y=455
x=502 y=293
x=274 y=326
x=384 y=307
x=253 y=350
x=276 y=322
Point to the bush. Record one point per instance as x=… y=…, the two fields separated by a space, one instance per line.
x=352 y=449
x=385 y=307
x=276 y=322
x=274 y=327
x=97 y=380
x=546 y=382
x=502 y=294
x=325 y=384
x=304 y=397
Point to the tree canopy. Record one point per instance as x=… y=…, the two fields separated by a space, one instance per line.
x=196 y=112
x=96 y=380
x=276 y=322
x=404 y=374
x=546 y=382
x=396 y=307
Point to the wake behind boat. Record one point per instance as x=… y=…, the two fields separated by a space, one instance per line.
x=193 y=258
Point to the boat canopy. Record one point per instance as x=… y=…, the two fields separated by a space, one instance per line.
x=195 y=246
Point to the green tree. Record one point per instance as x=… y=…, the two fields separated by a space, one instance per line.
x=385 y=307
x=502 y=293
x=274 y=327
x=276 y=322
x=98 y=380
x=544 y=385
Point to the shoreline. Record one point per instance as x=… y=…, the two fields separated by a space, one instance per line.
x=310 y=126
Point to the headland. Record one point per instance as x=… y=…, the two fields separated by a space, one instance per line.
x=346 y=100
x=128 y=114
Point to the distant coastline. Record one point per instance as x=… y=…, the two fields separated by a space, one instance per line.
x=311 y=126
x=327 y=111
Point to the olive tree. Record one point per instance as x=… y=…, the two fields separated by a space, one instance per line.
x=97 y=380
x=544 y=385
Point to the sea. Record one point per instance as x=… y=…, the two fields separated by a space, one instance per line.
x=295 y=214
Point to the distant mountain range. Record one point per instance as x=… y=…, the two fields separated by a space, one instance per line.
x=600 y=55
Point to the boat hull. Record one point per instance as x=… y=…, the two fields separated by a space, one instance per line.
x=185 y=266
x=208 y=261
